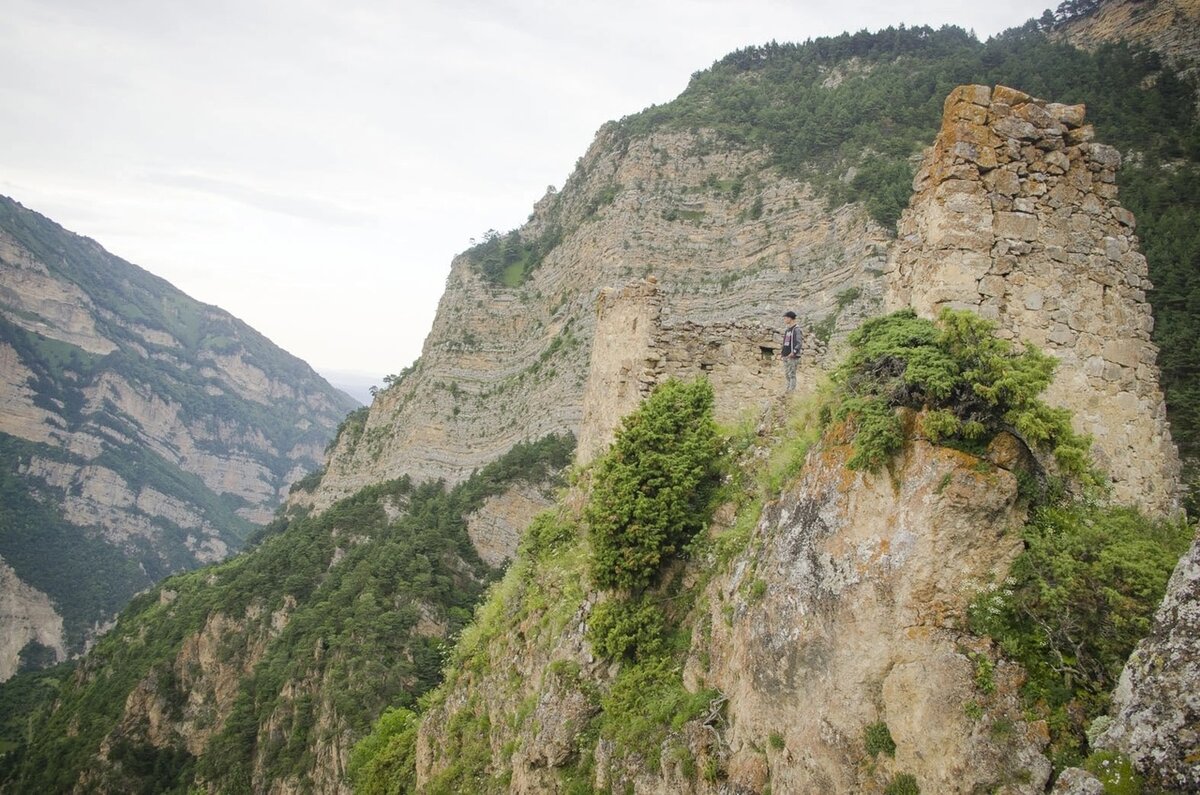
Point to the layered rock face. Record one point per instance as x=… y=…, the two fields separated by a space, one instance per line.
x=141 y=432
x=1169 y=27
x=729 y=242
x=27 y=616
x=1016 y=216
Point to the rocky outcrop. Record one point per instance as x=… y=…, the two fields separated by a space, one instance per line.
x=27 y=616
x=728 y=240
x=135 y=419
x=867 y=580
x=853 y=587
x=1015 y=215
x=495 y=528
x=1156 y=706
x=1169 y=27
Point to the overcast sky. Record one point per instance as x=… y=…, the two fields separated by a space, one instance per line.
x=312 y=166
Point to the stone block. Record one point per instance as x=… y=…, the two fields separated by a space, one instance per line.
x=1126 y=353
x=1034 y=300
x=1035 y=115
x=1070 y=115
x=992 y=286
x=1018 y=226
x=973 y=94
x=1115 y=248
x=1003 y=181
x=982 y=156
x=1013 y=127
x=1081 y=135
x=1009 y=96
x=1104 y=155
x=1002 y=265
x=1124 y=217
x=1052 y=139
x=1057 y=163
x=1061 y=336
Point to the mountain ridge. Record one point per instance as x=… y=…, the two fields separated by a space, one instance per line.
x=142 y=429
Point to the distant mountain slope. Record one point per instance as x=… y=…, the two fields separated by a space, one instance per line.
x=1169 y=27
x=141 y=432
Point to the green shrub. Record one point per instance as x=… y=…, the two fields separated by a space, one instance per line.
x=384 y=761
x=655 y=488
x=1115 y=772
x=1077 y=601
x=970 y=383
x=547 y=532
x=626 y=629
x=646 y=701
x=878 y=739
x=903 y=784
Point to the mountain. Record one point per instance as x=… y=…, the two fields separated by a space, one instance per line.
x=831 y=628
x=773 y=182
x=142 y=433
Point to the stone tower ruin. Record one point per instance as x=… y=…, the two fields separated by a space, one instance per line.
x=1015 y=216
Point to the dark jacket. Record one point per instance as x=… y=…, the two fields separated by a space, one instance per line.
x=793 y=342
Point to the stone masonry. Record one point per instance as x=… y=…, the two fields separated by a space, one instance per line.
x=634 y=349
x=1015 y=216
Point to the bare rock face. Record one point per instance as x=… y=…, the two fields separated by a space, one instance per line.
x=27 y=615
x=1157 y=703
x=865 y=581
x=495 y=528
x=1169 y=27
x=1016 y=217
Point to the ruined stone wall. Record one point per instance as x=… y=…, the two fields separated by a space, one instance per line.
x=622 y=363
x=1015 y=215
x=635 y=348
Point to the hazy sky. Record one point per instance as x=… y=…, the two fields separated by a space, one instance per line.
x=312 y=166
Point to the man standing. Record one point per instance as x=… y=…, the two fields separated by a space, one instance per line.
x=792 y=341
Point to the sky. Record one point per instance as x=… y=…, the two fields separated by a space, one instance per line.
x=313 y=166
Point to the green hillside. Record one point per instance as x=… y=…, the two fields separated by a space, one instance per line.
x=361 y=586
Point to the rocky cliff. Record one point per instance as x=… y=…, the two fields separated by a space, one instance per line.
x=141 y=431
x=1169 y=27
x=855 y=587
x=727 y=238
x=849 y=586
